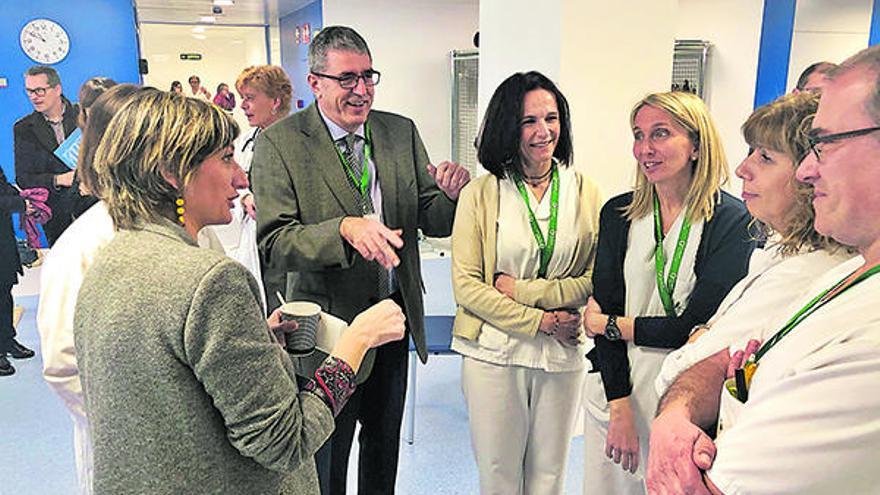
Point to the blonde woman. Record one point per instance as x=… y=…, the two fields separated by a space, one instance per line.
x=794 y=253
x=668 y=253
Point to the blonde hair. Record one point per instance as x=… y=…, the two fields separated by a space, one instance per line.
x=710 y=169
x=271 y=80
x=155 y=137
x=782 y=126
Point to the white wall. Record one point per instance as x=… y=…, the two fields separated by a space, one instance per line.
x=829 y=30
x=734 y=29
x=225 y=52
x=411 y=41
x=613 y=54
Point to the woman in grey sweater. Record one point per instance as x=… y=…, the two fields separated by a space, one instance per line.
x=186 y=390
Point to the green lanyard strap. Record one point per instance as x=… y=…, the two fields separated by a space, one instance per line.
x=666 y=288
x=811 y=307
x=548 y=246
x=364 y=182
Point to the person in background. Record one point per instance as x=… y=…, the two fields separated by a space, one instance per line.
x=794 y=254
x=814 y=77
x=36 y=136
x=342 y=191
x=265 y=92
x=61 y=276
x=224 y=98
x=10 y=268
x=88 y=93
x=668 y=253
x=165 y=169
x=197 y=90
x=804 y=420
x=176 y=87
x=523 y=246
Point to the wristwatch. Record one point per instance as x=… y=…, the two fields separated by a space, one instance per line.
x=612 y=331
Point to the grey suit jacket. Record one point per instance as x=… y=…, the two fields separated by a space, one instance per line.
x=303 y=195
x=186 y=392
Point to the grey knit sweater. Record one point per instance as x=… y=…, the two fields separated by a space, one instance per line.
x=185 y=391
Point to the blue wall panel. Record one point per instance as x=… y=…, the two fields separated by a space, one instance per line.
x=294 y=56
x=775 y=50
x=103 y=42
x=874 y=36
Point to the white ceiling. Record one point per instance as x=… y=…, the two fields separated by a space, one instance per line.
x=253 y=12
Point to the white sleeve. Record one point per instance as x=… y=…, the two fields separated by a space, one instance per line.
x=60 y=280
x=815 y=431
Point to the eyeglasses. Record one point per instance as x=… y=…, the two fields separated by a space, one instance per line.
x=37 y=91
x=349 y=81
x=816 y=140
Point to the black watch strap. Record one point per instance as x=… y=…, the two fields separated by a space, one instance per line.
x=612 y=331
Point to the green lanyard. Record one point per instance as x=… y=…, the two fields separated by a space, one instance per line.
x=364 y=182
x=812 y=307
x=668 y=287
x=545 y=247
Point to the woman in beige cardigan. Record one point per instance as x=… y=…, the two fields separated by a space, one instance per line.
x=522 y=254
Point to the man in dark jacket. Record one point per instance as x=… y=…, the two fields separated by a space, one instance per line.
x=36 y=136
x=10 y=268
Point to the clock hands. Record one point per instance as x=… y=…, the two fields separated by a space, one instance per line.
x=35 y=35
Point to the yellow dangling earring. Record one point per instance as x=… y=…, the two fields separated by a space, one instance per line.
x=180 y=211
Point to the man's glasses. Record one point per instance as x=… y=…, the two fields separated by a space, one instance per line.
x=349 y=81
x=37 y=91
x=817 y=141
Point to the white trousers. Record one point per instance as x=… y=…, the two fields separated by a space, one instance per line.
x=601 y=475
x=521 y=421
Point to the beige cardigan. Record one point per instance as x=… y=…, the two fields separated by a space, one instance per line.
x=473 y=265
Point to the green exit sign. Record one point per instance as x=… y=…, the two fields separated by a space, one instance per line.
x=190 y=56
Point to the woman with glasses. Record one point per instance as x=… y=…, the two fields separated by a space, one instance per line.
x=186 y=390
x=794 y=253
x=523 y=246
x=668 y=253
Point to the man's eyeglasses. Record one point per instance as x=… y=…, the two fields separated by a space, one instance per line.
x=349 y=81
x=37 y=91
x=816 y=141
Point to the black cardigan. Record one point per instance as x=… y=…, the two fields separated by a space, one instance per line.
x=722 y=260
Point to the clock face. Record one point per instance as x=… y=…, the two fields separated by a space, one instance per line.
x=44 y=41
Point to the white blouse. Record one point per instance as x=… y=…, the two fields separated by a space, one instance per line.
x=517 y=255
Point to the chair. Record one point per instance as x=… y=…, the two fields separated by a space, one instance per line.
x=438 y=337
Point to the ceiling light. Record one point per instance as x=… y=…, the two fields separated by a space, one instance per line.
x=200 y=36
x=225 y=3
x=208 y=18
x=199 y=29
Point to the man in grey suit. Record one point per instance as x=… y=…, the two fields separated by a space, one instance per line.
x=342 y=191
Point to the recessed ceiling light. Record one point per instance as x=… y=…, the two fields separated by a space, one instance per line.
x=224 y=2
x=208 y=18
x=199 y=29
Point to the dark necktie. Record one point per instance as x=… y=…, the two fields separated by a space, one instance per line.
x=354 y=162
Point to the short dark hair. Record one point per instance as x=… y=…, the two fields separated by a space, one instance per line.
x=198 y=80
x=341 y=38
x=821 y=67
x=499 y=138
x=50 y=73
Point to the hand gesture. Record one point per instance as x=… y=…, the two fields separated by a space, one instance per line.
x=679 y=452
x=563 y=325
x=594 y=319
x=29 y=207
x=450 y=178
x=373 y=240
x=248 y=205
x=622 y=441
x=505 y=284
x=278 y=327
x=64 y=180
x=379 y=324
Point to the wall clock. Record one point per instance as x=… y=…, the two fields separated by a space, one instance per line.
x=44 y=41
